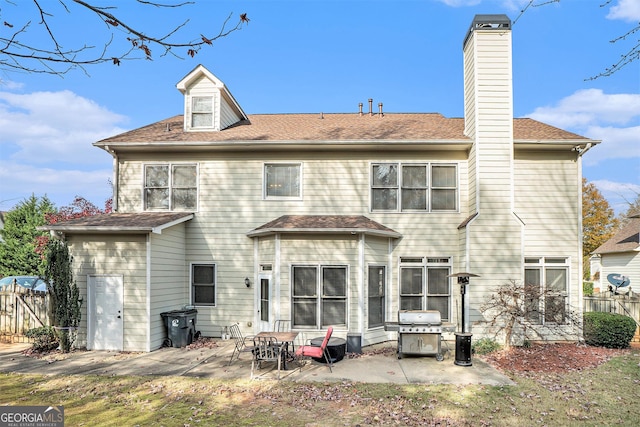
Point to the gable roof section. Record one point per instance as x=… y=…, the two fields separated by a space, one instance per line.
x=625 y=240
x=132 y=223
x=324 y=224
x=342 y=128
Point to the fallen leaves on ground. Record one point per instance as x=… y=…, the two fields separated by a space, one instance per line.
x=551 y=358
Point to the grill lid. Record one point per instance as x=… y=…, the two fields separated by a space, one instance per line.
x=419 y=317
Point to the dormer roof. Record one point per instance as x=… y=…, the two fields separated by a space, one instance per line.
x=207 y=96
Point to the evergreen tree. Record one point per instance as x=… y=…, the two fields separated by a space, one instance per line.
x=65 y=300
x=20 y=234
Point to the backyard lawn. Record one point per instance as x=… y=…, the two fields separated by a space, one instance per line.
x=557 y=385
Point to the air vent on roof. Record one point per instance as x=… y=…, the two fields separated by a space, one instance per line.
x=380 y=113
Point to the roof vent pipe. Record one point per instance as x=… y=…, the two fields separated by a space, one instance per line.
x=360 y=107
x=380 y=109
x=371 y=106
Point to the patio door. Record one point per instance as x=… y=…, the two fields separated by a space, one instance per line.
x=105 y=326
x=265 y=300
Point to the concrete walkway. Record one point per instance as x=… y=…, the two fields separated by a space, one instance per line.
x=377 y=364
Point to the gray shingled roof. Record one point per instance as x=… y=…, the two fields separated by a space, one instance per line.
x=324 y=224
x=625 y=240
x=333 y=127
x=145 y=222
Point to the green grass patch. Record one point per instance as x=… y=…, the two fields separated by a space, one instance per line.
x=585 y=397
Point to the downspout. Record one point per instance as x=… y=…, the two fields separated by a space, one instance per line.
x=581 y=152
x=116 y=173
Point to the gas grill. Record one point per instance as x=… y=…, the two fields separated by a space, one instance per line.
x=420 y=333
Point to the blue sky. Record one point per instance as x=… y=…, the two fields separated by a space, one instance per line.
x=320 y=56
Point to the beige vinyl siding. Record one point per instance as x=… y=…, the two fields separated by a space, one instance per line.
x=469 y=89
x=626 y=263
x=228 y=115
x=202 y=86
x=115 y=254
x=231 y=204
x=551 y=217
x=169 y=281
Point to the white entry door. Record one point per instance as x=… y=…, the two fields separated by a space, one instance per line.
x=105 y=326
x=264 y=297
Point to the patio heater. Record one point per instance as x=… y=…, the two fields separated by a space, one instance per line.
x=463 y=338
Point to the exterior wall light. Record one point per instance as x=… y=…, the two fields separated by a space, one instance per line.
x=247 y=282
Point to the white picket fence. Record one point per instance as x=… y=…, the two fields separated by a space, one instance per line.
x=619 y=304
x=21 y=309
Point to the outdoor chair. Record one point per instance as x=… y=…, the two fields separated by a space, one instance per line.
x=317 y=352
x=282 y=326
x=266 y=349
x=240 y=342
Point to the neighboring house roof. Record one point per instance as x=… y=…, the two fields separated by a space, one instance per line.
x=324 y=224
x=625 y=240
x=398 y=128
x=142 y=223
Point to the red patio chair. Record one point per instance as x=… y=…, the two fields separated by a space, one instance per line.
x=317 y=352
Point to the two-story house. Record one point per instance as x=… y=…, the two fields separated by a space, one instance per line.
x=330 y=219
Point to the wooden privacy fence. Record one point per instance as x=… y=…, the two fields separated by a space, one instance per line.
x=615 y=304
x=21 y=309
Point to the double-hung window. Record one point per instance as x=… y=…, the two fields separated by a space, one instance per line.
x=546 y=282
x=319 y=296
x=377 y=283
x=414 y=187
x=171 y=187
x=203 y=284
x=424 y=285
x=282 y=180
x=201 y=112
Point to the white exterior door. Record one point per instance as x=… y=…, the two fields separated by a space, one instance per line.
x=264 y=296
x=105 y=326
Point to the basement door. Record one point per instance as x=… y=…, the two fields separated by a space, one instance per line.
x=105 y=326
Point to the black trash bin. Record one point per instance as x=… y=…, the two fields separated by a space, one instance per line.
x=463 y=349
x=181 y=327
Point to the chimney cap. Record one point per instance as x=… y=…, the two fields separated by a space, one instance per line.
x=499 y=22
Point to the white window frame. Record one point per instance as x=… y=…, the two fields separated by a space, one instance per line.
x=383 y=297
x=194 y=113
x=319 y=297
x=400 y=187
x=543 y=265
x=170 y=187
x=265 y=181
x=192 y=285
x=424 y=264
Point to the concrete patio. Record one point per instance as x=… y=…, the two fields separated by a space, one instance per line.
x=377 y=364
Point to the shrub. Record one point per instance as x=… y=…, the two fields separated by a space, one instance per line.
x=44 y=338
x=587 y=289
x=485 y=346
x=609 y=330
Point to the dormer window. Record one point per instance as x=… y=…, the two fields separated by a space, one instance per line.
x=202 y=112
x=208 y=104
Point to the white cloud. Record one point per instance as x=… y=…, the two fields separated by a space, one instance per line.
x=590 y=107
x=46 y=147
x=460 y=3
x=626 y=10
x=612 y=118
x=55 y=126
x=618 y=194
x=59 y=185
x=618 y=143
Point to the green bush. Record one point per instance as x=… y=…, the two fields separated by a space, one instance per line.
x=587 y=289
x=44 y=338
x=485 y=346
x=609 y=330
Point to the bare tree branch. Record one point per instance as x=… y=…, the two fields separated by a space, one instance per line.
x=47 y=54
